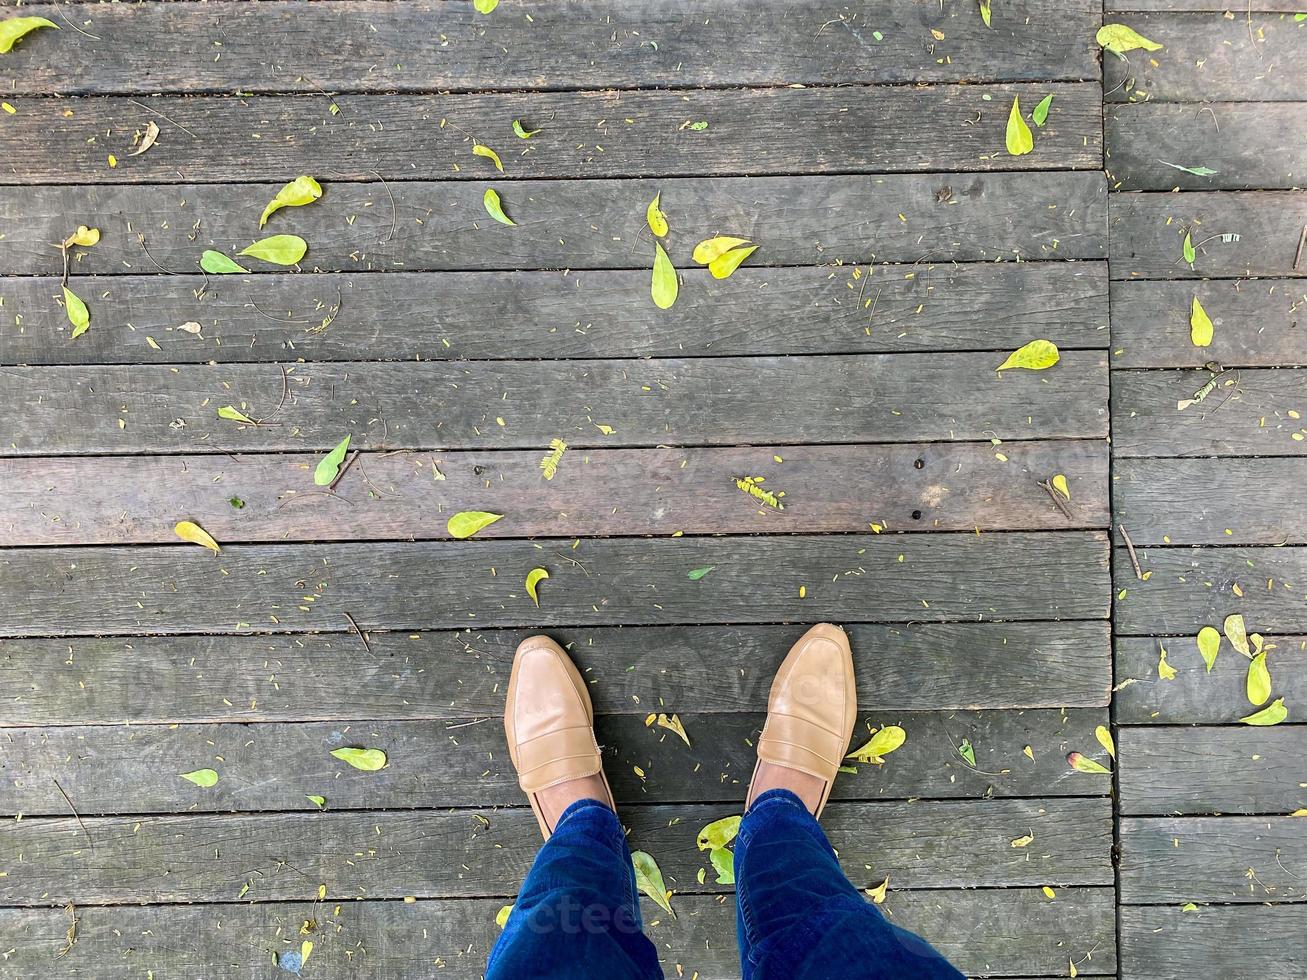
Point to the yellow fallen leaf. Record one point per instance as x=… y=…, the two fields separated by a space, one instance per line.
x=1104 y=736
x=722 y=266
x=78 y=314
x=711 y=248
x=202 y=777
x=881 y=744
x=1034 y=356
x=306 y=948
x=495 y=207
x=653 y=214
x=1029 y=753
x=368 y=760
x=533 y=579
x=1259 y=680
x=1020 y=140
x=1200 y=325
x=299 y=192
x=649 y=879
x=1118 y=38
x=1237 y=633
x=501 y=917
x=1164 y=670
x=1272 y=714
x=1082 y=763
x=1061 y=486
x=14 y=28
x=1049 y=893
x=466 y=523
x=718 y=834
x=481 y=150
x=192 y=532
x=1209 y=645
x=877 y=894
x=673 y=724
x=1025 y=841
x=664 y=286
x=84 y=236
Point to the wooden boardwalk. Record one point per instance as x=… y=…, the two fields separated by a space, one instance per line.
x=848 y=364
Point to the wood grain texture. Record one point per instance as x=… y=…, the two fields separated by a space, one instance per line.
x=1213 y=770
x=1257 y=323
x=588 y=134
x=1173 y=6
x=131 y=409
x=1212 y=501
x=464 y=763
x=1011 y=933
x=1165 y=943
x=1148 y=234
x=1196 y=697
x=569 y=224
x=914 y=487
x=1244 y=142
x=1192 y=588
x=428 y=45
x=493 y=315
x=1208 y=859
x=1251 y=412
x=1256 y=55
x=449 y=676
x=634 y=581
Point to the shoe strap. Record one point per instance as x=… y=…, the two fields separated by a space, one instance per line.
x=798 y=743
x=557 y=756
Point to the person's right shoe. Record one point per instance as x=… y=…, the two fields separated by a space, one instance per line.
x=811 y=711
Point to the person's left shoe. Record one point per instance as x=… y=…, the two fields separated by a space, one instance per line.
x=549 y=722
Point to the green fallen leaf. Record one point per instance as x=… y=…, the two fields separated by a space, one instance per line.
x=722 y=266
x=202 y=777
x=649 y=879
x=695 y=574
x=1119 y=39
x=533 y=580
x=1209 y=645
x=217 y=264
x=719 y=833
x=879 y=745
x=1034 y=356
x=723 y=861
x=521 y=131
x=1082 y=763
x=233 y=414
x=1190 y=254
x=1040 y=113
x=664 y=286
x=319 y=801
x=699 y=126
x=711 y=248
x=466 y=523
x=16 y=27
x=985 y=12
x=481 y=150
x=368 y=760
x=329 y=465
x=1200 y=325
x=299 y=192
x=237 y=503
x=655 y=218
x=485 y=6
x=1020 y=140
x=968 y=752
x=78 y=315
x=1196 y=171
x=277 y=249
x=495 y=208
x=1272 y=714
x=1259 y=680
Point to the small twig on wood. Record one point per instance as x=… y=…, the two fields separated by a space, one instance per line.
x=311 y=493
x=1130 y=548
x=1057 y=498
x=1302 y=243
x=78 y=29
x=341 y=472
x=372 y=486
x=141 y=238
x=70 y=938
x=394 y=210
x=465 y=724
x=285 y=392
x=169 y=118
x=76 y=815
x=366 y=645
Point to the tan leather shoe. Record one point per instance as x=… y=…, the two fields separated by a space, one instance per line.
x=549 y=722
x=812 y=708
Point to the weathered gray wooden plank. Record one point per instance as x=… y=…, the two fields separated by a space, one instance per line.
x=391 y=854
x=1249 y=413
x=1245 y=142
x=1196 y=697
x=1209 y=859
x=446 y=676
x=1191 y=588
x=490 y=315
x=1167 y=943
x=133 y=768
x=633 y=581
x=1212 y=501
x=592 y=134
x=1197 y=5
x=526 y=404
x=1207 y=57
x=1011 y=932
x=1256 y=323
x=427 y=46
x=925 y=487
x=570 y=224
x=1148 y=233
x=1213 y=770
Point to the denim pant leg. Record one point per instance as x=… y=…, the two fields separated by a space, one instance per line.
x=578 y=913
x=799 y=918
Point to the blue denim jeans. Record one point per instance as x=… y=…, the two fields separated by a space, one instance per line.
x=798 y=917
